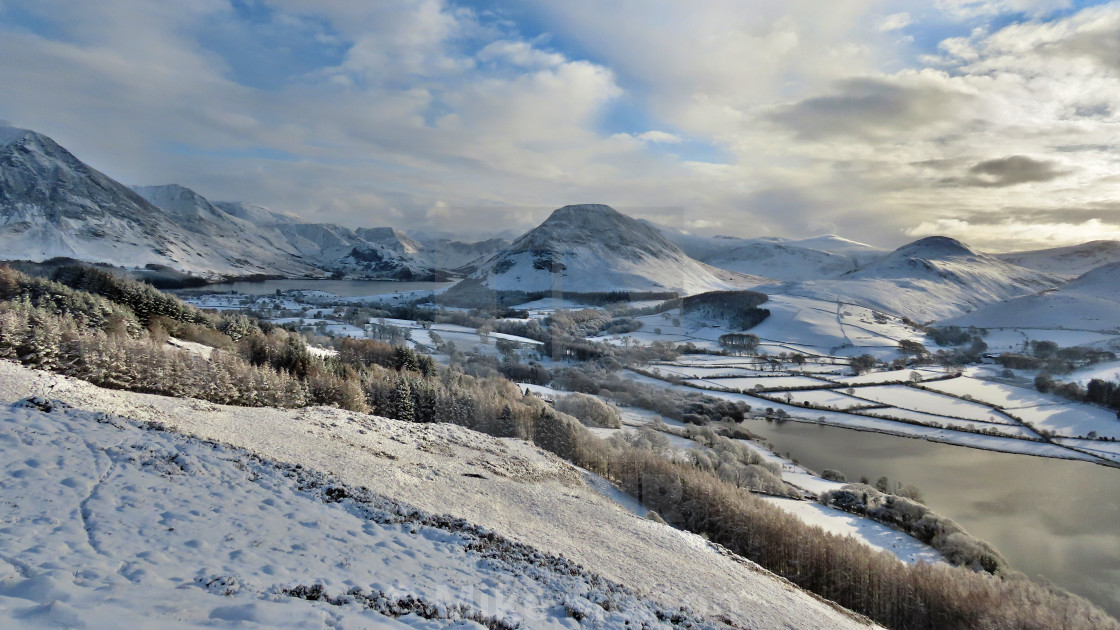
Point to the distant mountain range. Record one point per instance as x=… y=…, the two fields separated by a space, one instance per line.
x=54 y=205
x=780 y=259
x=930 y=279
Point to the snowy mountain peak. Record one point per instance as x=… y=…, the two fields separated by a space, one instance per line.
x=180 y=201
x=591 y=248
x=583 y=210
x=391 y=238
x=8 y=135
x=257 y=215
x=586 y=224
x=933 y=248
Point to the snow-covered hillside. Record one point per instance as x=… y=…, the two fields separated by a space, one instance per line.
x=439 y=253
x=781 y=259
x=263 y=235
x=930 y=279
x=53 y=204
x=591 y=248
x=257 y=215
x=1091 y=302
x=116 y=513
x=243 y=238
x=1068 y=262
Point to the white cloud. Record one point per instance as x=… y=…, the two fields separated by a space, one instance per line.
x=660 y=136
x=894 y=22
x=520 y=53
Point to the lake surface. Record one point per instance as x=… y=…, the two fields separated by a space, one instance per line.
x=341 y=288
x=1058 y=519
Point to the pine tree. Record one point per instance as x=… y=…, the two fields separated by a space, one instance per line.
x=506 y=426
x=41 y=346
x=403 y=408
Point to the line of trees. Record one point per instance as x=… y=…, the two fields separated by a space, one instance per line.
x=909 y=515
x=738 y=308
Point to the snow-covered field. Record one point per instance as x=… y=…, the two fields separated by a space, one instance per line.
x=764 y=382
x=1109 y=371
x=821 y=398
x=929 y=402
x=873 y=534
x=114 y=523
x=886 y=376
x=963 y=435
x=928 y=419
x=111 y=525
x=994 y=394
x=1073 y=420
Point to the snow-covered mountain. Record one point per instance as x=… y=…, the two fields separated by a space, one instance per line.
x=930 y=279
x=1069 y=262
x=594 y=248
x=53 y=204
x=1090 y=302
x=263 y=233
x=257 y=215
x=464 y=257
x=437 y=253
x=782 y=259
x=391 y=238
x=193 y=212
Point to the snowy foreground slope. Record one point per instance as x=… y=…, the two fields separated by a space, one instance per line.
x=113 y=517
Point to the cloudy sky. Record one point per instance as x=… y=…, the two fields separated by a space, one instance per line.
x=995 y=122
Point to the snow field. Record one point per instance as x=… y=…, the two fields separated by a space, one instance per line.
x=215 y=535
x=893 y=427
x=930 y=403
x=994 y=394
x=875 y=535
x=1009 y=430
x=875 y=378
x=765 y=382
x=821 y=398
x=1109 y=371
x=1072 y=420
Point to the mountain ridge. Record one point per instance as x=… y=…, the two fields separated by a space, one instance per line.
x=929 y=279
x=592 y=248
